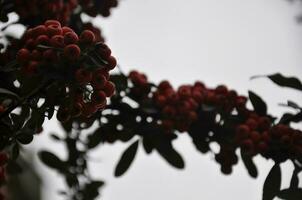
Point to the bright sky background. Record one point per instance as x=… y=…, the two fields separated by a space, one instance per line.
x=210 y=40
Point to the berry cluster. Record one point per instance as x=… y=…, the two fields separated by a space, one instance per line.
x=178 y=107
x=95 y=7
x=278 y=142
x=30 y=11
x=79 y=62
x=141 y=87
x=97 y=32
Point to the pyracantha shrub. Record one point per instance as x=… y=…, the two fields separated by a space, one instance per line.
x=95 y=7
x=37 y=11
x=79 y=63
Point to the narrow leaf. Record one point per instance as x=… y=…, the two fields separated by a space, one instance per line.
x=258 y=104
x=249 y=164
x=51 y=160
x=126 y=159
x=291 y=194
x=294 y=182
x=272 y=183
x=7 y=92
x=279 y=79
x=172 y=156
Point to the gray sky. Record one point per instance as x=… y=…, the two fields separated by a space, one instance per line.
x=183 y=41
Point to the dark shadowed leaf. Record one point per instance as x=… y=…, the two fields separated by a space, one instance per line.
x=272 y=183
x=294 y=182
x=7 y=92
x=249 y=164
x=279 y=79
x=13 y=167
x=51 y=160
x=15 y=151
x=148 y=145
x=26 y=137
x=291 y=194
x=172 y=156
x=126 y=159
x=120 y=82
x=258 y=104
x=71 y=180
x=55 y=137
x=95 y=139
x=288 y=117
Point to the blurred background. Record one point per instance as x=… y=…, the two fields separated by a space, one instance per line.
x=217 y=42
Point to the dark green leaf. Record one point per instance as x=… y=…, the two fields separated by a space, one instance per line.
x=71 y=180
x=13 y=167
x=171 y=156
x=279 y=79
x=249 y=164
x=51 y=160
x=147 y=144
x=119 y=81
x=272 y=183
x=15 y=151
x=55 y=137
x=126 y=159
x=294 y=182
x=258 y=104
x=26 y=137
x=7 y=92
x=291 y=194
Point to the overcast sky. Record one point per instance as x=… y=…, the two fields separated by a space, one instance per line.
x=216 y=41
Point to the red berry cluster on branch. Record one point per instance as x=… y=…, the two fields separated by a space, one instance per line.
x=182 y=108
x=178 y=108
x=141 y=87
x=33 y=10
x=79 y=62
x=95 y=7
x=97 y=32
x=278 y=142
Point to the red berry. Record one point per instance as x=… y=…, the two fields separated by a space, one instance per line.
x=89 y=109
x=66 y=29
x=36 y=55
x=2 y=108
x=52 y=22
x=72 y=52
x=98 y=81
x=98 y=98
x=242 y=132
x=63 y=114
x=32 y=68
x=23 y=55
x=54 y=30
x=50 y=55
x=87 y=37
x=167 y=125
x=111 y=62
x=83 y=76
x=71 y=38
x=3 y=158
x=109 y=88
x=76 y=110
x=42 y=40
x=57 y=41
x=39 y=30
x=103 y=72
